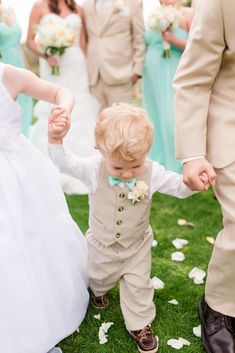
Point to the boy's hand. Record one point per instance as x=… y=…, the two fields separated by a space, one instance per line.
x=205 y=179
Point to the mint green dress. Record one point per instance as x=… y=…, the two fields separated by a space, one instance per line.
x=10 y=54
x=158 y=97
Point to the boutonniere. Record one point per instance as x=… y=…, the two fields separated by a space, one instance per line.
x=138 y=192
x=119 y=5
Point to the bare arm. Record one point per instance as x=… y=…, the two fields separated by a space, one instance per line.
x=168 y=36
x=23 y=81
x=35 y=17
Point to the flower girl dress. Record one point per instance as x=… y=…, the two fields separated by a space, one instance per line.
x=43 y=296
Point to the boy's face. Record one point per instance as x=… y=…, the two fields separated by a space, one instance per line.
x=118 y=167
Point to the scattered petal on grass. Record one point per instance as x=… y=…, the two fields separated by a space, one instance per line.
x=178 y=344
x=97 y=317
x=157 y=283
x=197 y=274
x=210 y=240
x=103 y=330
x=177 y=256
x=179 y=243
x=197 y=331
x=183 y=222
x=154 y=243
x=173 y=301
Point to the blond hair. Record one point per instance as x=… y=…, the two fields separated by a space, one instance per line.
x=125 y=130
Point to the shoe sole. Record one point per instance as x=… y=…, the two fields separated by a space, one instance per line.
x=203 y=338
x=154 y=350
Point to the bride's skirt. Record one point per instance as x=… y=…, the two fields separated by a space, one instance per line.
x=43 y=296
x=80 y=139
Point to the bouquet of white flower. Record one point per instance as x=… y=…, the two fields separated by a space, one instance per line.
x=52 y=40
x=162 y=19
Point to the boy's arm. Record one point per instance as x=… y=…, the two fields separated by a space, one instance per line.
x=84 y=169
x=168 y=182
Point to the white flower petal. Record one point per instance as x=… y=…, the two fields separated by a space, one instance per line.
x=102 y=332
x=197 y=274
x=197 y=331
x=97 y=317
x=154 y=243
x=184 y=341
x=179 y=243
x=177 y=256
x=173 y=301
x=178 y=344
x=157 y=283
x=175 y=343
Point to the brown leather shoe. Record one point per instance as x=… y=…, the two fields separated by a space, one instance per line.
x=217 y=330
x=100 y=302
x=146 y=341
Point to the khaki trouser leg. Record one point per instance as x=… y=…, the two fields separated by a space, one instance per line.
x=131 y=266
x=220 y=284
x=119 y=93
x=102 y=266
x=98 y=91
x=136 y=289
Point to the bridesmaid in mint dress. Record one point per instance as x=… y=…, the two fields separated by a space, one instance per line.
x=10 y=53
x=158 y=95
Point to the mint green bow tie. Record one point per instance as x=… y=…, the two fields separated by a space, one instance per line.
x=115 y=181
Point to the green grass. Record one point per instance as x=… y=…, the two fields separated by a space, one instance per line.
x=171 y=321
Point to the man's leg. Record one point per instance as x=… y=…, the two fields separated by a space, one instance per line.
x=119 y=93
x=218 y=308
x=98 y=91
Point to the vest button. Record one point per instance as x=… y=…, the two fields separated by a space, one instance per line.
x=122 y=195
x=120 y=209
x=119 y=222
x=117 y=235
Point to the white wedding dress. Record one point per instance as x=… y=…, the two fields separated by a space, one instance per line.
x=43 y=296
x=73 y=75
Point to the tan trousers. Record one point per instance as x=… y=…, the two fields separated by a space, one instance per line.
x=220 y=284
x=131 y=267
x=107 y=94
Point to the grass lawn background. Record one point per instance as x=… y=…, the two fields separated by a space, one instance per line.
x=171 y=321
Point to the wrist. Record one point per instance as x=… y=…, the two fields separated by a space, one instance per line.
x=55 y=141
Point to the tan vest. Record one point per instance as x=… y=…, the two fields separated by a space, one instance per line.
x=113 y=218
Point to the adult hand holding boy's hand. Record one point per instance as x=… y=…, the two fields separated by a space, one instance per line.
x=193 y=172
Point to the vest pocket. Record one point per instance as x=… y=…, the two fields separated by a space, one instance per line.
x=97 y=223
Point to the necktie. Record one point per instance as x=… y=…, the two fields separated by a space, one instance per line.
x=116 y=181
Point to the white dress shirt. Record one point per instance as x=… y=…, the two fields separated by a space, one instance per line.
x=87 y=170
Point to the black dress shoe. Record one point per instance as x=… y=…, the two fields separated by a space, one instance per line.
x=217 y=330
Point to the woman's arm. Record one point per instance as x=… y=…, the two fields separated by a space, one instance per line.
x=83 y=33
x=168 y=36
x=34 y=19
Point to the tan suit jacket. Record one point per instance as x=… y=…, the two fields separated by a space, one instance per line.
x=115 y=42
x=205 y=86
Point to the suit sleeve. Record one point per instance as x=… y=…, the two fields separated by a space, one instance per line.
x=137 y=24
x=196 y=74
